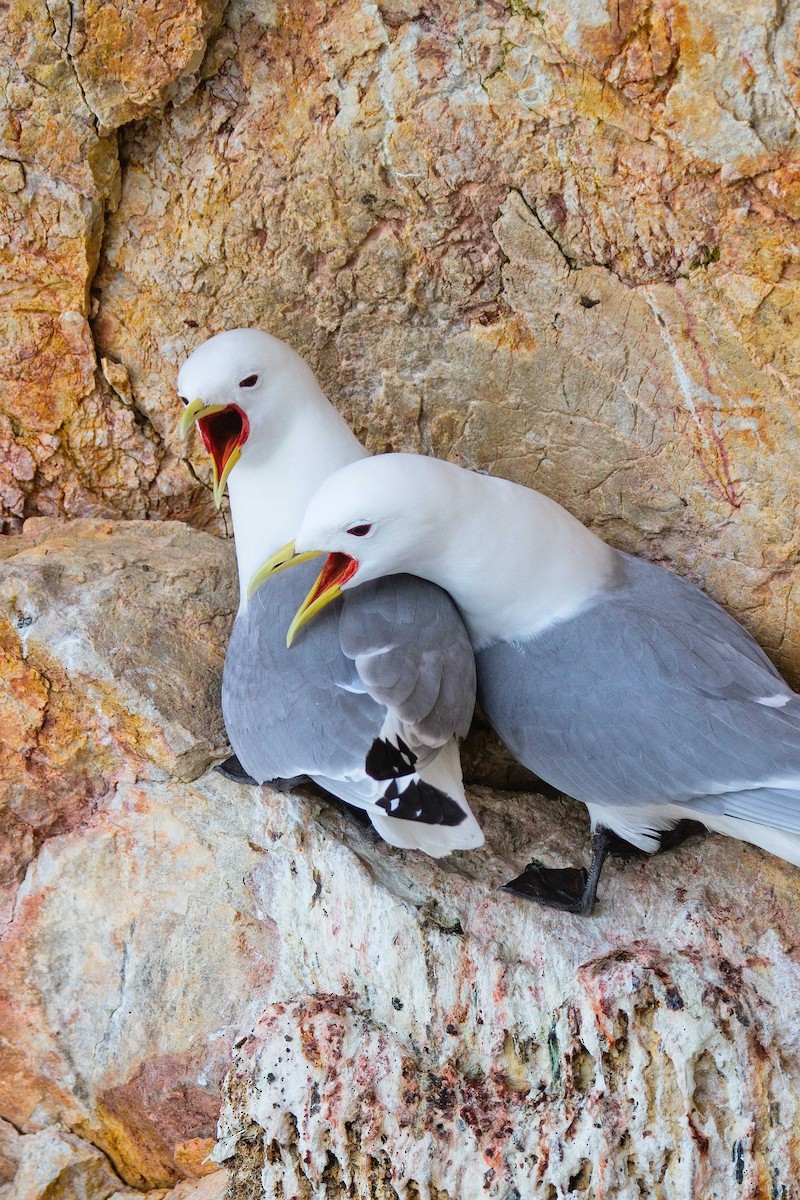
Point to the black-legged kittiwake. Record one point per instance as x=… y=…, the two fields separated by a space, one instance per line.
x=374 y=703
x=615 y=680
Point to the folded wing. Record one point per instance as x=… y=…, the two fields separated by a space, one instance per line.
x=369 y=697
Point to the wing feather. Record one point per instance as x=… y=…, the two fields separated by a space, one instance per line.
x=652 y=696
x=421 y=665
x=394 y=650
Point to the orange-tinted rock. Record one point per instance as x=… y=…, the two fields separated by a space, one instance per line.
x=60 y=1166
x=560 y=245
x=129 y=57
x=131 y=952
x=336 y=174
x=54 y=1165
x=71 y=75
x=621 y=337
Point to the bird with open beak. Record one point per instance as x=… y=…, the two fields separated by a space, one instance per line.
x=374 y=704
x=611 y=678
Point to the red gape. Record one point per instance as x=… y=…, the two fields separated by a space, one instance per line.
x=222 y=432
x=337 y=570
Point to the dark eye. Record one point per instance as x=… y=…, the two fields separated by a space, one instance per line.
x=248 y=381
x=183 y=399
x=359 y=530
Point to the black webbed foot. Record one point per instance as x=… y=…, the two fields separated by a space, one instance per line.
x=556 y=887
x=671 y=838
x=570 y=889
x=233 y=769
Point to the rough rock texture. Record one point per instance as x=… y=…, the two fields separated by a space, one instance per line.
x=71 y=438
x=401 y=1027
x=132 y=953
x=53 y=1165
x=429 y=1037
x=556 y=241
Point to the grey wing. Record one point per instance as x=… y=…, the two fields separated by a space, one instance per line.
x=302 y=711
x=654 y=695
x=413 y=655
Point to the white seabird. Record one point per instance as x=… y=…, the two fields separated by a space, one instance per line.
x=374 y=705
x=613 y=679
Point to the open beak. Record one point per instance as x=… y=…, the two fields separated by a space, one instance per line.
x=224 y=429
x=285 y=557
x=327 y=586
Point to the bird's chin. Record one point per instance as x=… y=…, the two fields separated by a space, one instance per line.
x=224 y=433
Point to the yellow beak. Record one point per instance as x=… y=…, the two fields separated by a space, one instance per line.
x=221 y=480
x=283 y=558
x=189 y=417
x=313 y=603
x=194 y=410
x=327 y=586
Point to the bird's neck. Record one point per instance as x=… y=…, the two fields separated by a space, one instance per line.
x=518 y=562
x=269 y=492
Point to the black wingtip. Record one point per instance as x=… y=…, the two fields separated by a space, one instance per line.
x=386 y=761
x=420 y=801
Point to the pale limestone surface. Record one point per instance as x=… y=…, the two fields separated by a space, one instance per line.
x=397 y=1024
x=430 y=1037
x=131 y=951
x=555 y=242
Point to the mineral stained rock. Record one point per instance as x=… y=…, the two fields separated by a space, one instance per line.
x=558 y=242
x=554 y=241
x=400 y=1027
x=71 y=438
x=132 y=953
x=430 y=1037
x=53 y=1165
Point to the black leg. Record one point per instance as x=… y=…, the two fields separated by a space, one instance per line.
x=570 y=889
x=671 y=838
x=233 y=769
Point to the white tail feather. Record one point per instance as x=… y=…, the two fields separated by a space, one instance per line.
x=443 y=771
x=641 y=826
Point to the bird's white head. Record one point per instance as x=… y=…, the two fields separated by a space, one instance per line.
x=379 y=516
x=238 y=388
x=513 y=560
x=385 y=513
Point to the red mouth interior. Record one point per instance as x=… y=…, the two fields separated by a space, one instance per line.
x=337 y=570
x=222 y=432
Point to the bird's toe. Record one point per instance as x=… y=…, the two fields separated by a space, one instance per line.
x=557 y=887
x=231 y=768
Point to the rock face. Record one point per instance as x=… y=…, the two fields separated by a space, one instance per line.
x=129 y=959
x=60 y=1166
x=430 y=1037
x=400 y=1027
x=557 y=242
